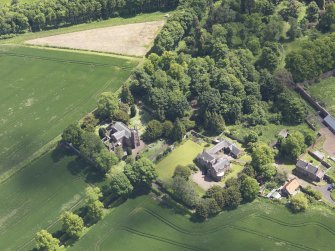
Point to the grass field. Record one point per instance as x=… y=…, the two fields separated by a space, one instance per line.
x=42 y=91
x=144 y=224
x=183 y=155
x=324 y=93
x=35 y=197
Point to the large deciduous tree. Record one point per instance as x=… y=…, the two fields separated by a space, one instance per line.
x=73 y=225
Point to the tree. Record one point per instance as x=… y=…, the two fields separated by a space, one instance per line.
x=89 y=122
x=120 y=185
x=91 y=145
x=267 y=171
x=45 y=241
x=214 y=122
x=120 y=115
x=108 y=104
x=312 y=12
x=141 y=173
x=167 y=128
x=232 y=197
x=328 y=18
x=298 y=203
x=94 y=205
x=126 y=96
x=105 y=160
x=153 y=131
x=73 y=134
x=184 y=191
x=293 y=145
x=249 y=189
x=133 y=111
x=207 y=207
x=261 y=155
x=73 y=225
x=269 y=59
x=178 y=131
x=182 y=171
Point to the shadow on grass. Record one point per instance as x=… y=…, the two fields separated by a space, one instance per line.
x=81 y=167
x=60 y=152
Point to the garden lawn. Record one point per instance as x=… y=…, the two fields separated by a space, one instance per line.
x=183 y=155
x=268 y=133
x=324 y=93
x=43 y=91
x=144 y=224
x=34 y=198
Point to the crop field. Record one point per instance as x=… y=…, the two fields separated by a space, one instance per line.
x=183 y=155
x=146 y=224
x=323 y=92
x=129 y=39
x=42 y=91
x=35 y=197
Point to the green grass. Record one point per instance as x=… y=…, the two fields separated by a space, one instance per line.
x=268 y=133
x=42 y=91
x=35 y=197
x=324 y=93
x=143 y=224
x=183 y=155
x=235 y=170
x=148 y=17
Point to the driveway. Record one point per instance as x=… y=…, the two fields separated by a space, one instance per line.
x=203 y=180
x=329 y=144
x=325 y=193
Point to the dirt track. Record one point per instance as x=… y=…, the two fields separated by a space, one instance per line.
x=130 y=39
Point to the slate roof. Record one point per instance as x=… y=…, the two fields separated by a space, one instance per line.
x=235 y=150
x=121 y=131
x=221 y=165
x=319 y=155
x=307 y=166
x=330 y=121
x=218 y=147
x=207 y=157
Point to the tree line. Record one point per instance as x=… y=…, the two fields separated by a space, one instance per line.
x=49 y=14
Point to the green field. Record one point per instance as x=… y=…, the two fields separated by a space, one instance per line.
x=35 y=197
x=42 y=91
x=183 y=155
x=324 y=93
x=143 y=224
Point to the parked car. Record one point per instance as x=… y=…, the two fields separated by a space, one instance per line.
x=330 y=187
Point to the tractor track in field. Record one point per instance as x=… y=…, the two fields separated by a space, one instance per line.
x=250 y=231
x=303 y=224
x=161 y=239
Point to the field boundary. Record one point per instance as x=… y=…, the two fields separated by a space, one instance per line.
x=35 y=156
x=93 y=52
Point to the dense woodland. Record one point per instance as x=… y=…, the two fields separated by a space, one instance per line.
x=225 y=57
x=49 y=14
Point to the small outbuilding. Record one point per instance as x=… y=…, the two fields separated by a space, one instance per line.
x=291 y=187
x=330 y=123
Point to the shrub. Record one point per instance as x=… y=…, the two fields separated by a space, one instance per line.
x=182 y=171
x=298 y=203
